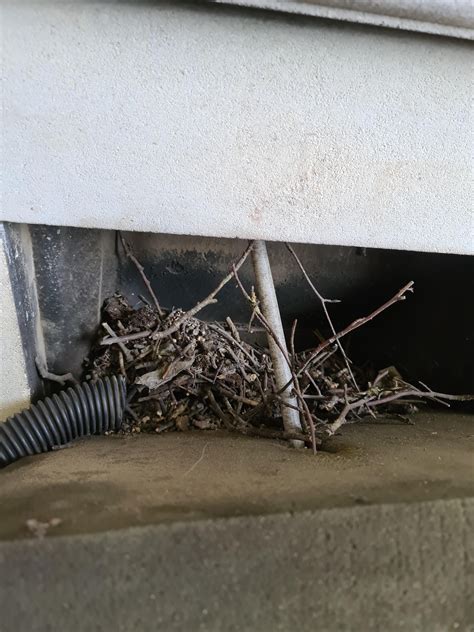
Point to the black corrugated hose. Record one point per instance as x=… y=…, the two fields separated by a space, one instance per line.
x=88 y=408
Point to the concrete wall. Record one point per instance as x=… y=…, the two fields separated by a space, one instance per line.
x=221 y=121
x=14 y=387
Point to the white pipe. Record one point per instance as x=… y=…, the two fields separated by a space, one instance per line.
x=270 y=310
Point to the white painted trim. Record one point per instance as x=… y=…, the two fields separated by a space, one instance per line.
x=451 y=18
x=202 y=121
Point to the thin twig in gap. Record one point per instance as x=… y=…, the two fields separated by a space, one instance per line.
x=245 y=429
x=232 y=412
x=323 y=302
x=399 y=296
x=218 y=410
x=126 y=352
x=372 y=401
x=292 y=342
x=218 y=371
x=139 y=267
x=122 y=365
x=238 y=398
x=233 y=328
x=158 y=335
x=263 y=320
x=128 y=338
x=313 y=384
x=52 y=377
x=235 y=342
x=132 y=414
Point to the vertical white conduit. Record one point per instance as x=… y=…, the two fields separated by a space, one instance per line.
x=270 y=310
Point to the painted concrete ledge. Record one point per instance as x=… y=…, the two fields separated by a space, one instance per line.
x=217 y=532
x=222 y=121
x=383 y=567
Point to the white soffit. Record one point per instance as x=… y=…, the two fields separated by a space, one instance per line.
x=451 y=18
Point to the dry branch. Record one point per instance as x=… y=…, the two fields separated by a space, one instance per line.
x=139 y=267
x=159 y=335
x=324 y=302
x=399 y=296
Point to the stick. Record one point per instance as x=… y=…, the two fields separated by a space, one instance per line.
x=233 y=328
x=238 y=398
x=52 y=377
x=139 y=267
x=323 y=302
x=371 y=402
x=292 y=342
x=128 y=338
x=218 y=410
x=260 y=432
x=159 y=335
x=126 y=352
x=235 y=342
x=399 y=296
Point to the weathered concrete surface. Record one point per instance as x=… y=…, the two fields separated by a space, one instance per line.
x=392 y=567
x=224 y=122
x=14 y=387
x=117 y=482
x=241 y=534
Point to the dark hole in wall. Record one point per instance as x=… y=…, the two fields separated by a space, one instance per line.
x=429 y=337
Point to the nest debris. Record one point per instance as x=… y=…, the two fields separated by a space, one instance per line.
x=184 y=373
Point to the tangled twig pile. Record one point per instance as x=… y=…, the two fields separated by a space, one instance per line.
x=186 y=373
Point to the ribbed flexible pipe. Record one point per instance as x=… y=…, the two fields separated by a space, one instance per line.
x=87 y=409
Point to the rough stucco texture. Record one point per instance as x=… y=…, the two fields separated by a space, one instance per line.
x=14 y=390
x=225 y=122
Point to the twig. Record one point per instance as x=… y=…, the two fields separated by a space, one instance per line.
x=132 y=414
x=232 y=412
x=323 y=302
x=371 y=401
x=122 y=365
x=159 y=335
x=233 y=328
x=235 y=342
x=238 y=398
x=399 y=296
x=218 y=410
x=126 y=352
x=292 y=342
x=313 y=384
x=52 y=377
x=139 y=267
x=416 y=393
x=128 y=338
